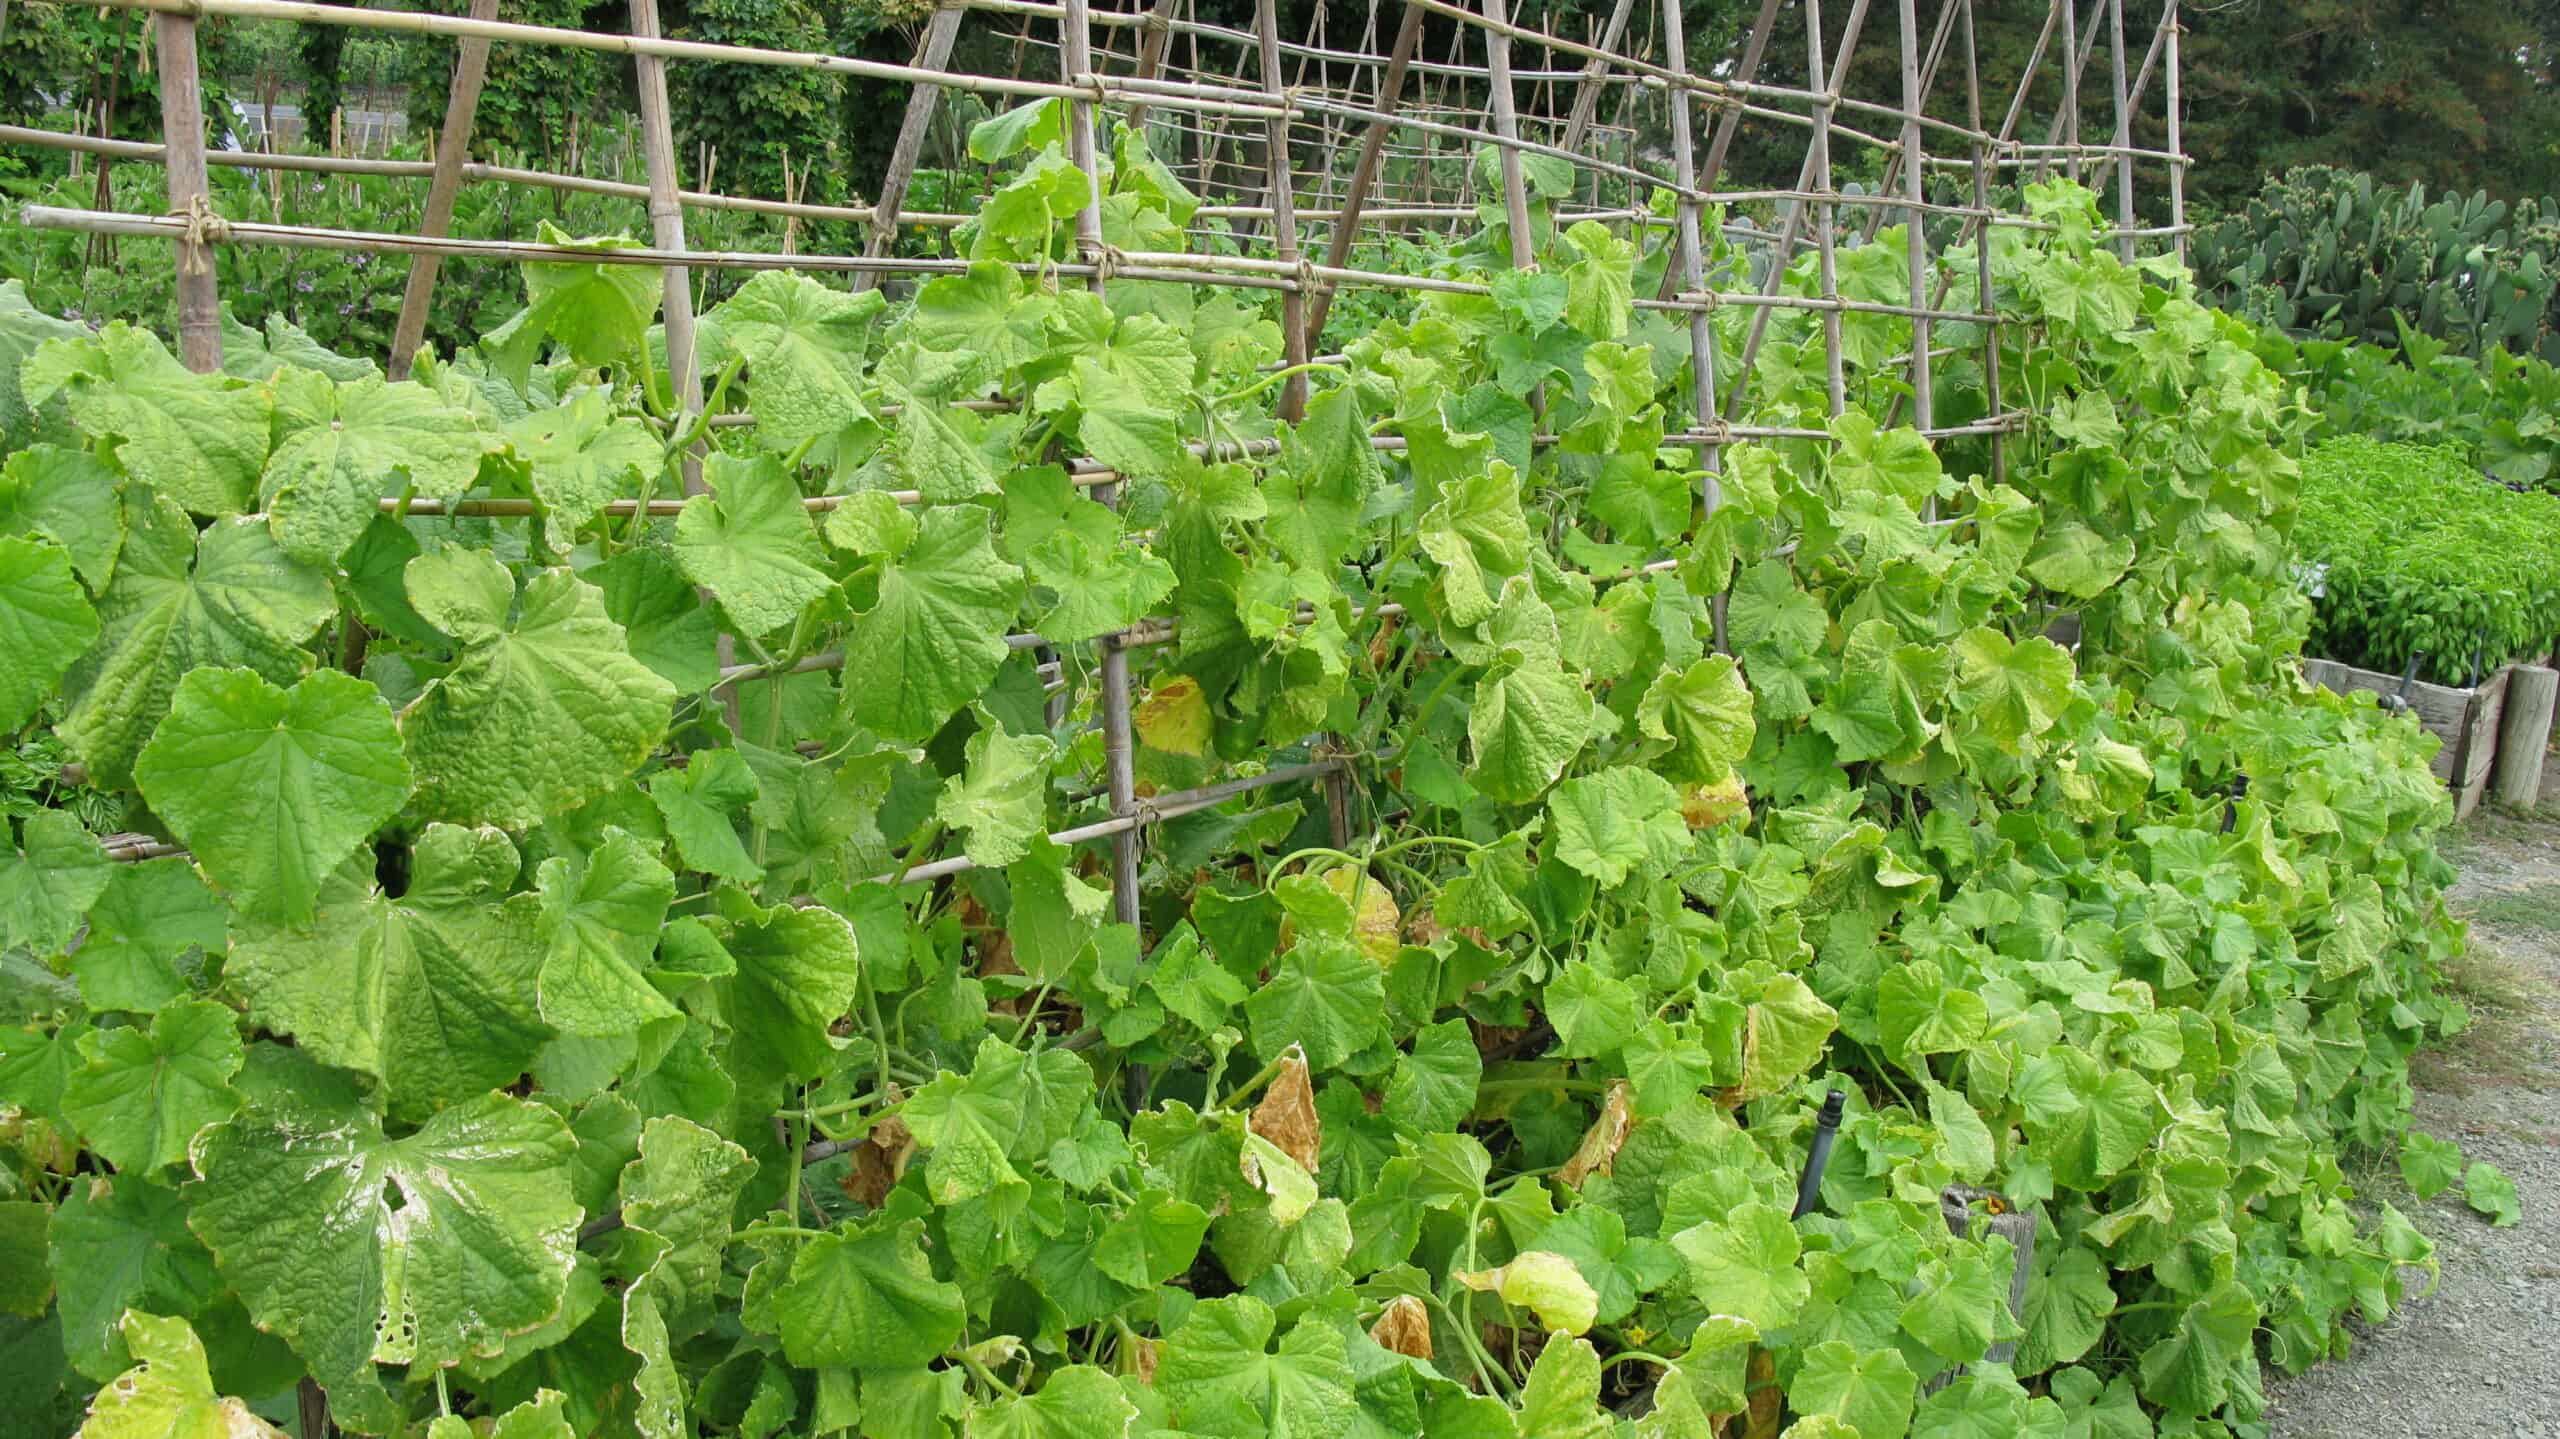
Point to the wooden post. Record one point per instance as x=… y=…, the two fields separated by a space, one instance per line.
x=182 y=122
x=1364 y=171
x=921 y=102
x=453 y=151
x=1075 y=58
x=1284 y=216
x=2524 y=736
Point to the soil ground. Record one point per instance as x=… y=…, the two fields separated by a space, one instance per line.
x=2480 y=1357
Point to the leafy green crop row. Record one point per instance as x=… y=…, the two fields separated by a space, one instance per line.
x=2497 y=411
x=2419 y=553
x=536 y=1026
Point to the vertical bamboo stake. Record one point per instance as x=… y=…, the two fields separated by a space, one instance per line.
x=1893 y=160
x=1284 y=217
x=1731 y=118
x=2177 y=149
x=182 y=122
x=666 y=224
x=1824 y=210
x=1797 y=209
x=1075 y=54
x=453 y=149
x=1914 y=96
x=921 y=102
x=1586 y=97
x=2074 y=58
x=1982 y=251
x=1152 y=43
x=1693 y=266
x=2123 y=133
x=1515 y=184
x=1364 y=171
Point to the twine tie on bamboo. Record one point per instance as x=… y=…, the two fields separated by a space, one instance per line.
x=205 y=229
x=1106 y=259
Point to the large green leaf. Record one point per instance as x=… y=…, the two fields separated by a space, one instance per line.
x=935 y=637
x=752 y=544
x=178 y=603
x=1000 y=797
x=797 y=969
x=803 y=346
x=45 y=624
x=544 y=707
x=144 y=923
x=140 y=1096
x=271 y=788
x=1744 y=1264
x=68 y=497
x=601 y=914
x=580 y=456
x=354 y=1246
x=48 y=880
x=432 y=992
x=1618 y=822
x=1218 y=1371
x=169 y=1394
x=866 y=1299
x=200 y=440
x=324 y=481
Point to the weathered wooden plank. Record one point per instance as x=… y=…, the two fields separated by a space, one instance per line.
x=2524 y=735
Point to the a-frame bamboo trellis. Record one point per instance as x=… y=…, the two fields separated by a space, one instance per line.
x=1285 y=138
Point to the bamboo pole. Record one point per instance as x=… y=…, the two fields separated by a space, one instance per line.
x=1586 y=97
x=1075 y=56
x=1284 y=220
x=1825 y=214
x=2123 y=137
x=1916 y=247
x=1730 y=118
x=1702 y=346
x=1799 y=208
x=1982 y=253
x=1515 y=182
x=453 y=151
x=1152 y=43
x=1243 y=272
x=410 y=22
x=931 y=54
x=182 y=125
x=2174 y=27
x=666 y=224
x=2074 y=57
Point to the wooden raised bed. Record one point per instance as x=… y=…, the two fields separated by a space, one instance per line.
x=2465 y=719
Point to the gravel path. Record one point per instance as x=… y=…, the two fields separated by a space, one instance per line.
x=2480 y=1357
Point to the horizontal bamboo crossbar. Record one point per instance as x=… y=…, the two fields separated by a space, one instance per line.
x=1241 y=272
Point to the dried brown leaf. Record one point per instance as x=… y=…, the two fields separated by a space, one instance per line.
x=1287 y=1114
x=1404 y=1328
x=1600 y=1143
